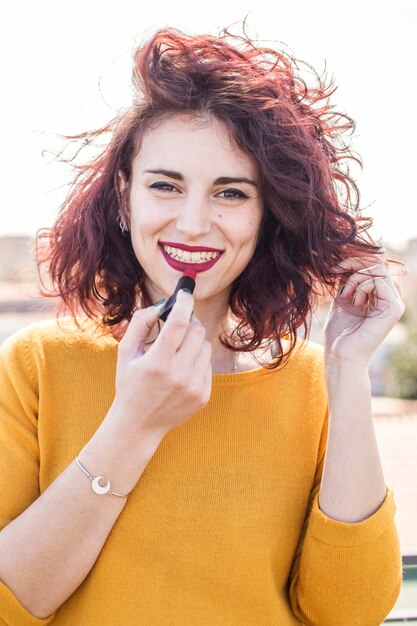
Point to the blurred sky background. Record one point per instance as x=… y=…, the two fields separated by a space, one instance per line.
x=66 y=68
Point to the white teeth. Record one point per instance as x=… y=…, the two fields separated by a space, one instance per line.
x=190 y=257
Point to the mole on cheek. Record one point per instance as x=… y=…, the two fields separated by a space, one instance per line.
x=220 y=215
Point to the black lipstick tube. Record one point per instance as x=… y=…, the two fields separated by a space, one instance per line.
x=185 y=282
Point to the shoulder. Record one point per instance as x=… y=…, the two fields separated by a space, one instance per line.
x=306 y=369
x=311 y=375
x=62 y=333
x=308 y=356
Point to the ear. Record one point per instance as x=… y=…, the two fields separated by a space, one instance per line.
x=124 y=212
x=122 y=181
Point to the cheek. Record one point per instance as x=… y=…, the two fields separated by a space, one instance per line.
x=141 y=215
x=249 y=230
x=242 y=226
x=146 y=221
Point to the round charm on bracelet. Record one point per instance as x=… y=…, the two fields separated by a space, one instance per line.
x=95 y=484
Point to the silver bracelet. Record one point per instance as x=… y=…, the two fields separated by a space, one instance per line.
x=95 y=485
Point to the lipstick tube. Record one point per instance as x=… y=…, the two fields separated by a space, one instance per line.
x=187 y=281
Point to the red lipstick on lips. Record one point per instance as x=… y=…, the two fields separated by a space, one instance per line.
x=182 y=265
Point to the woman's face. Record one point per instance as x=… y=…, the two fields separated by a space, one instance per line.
x=177 y=195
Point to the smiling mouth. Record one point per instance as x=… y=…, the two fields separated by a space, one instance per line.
x=180 y=260
x=189 y=257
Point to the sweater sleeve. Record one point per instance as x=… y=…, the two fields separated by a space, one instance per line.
x=19 y=453
x=345 y=573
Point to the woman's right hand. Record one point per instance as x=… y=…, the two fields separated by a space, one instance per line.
x=159 y=389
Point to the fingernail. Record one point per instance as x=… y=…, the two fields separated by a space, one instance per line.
x=159 y=302
x=184 y=289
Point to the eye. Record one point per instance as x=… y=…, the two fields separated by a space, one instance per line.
x=162 y=186
x=236 y=194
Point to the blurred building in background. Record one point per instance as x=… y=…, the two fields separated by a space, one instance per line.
x=20 y=301
x=16 y=264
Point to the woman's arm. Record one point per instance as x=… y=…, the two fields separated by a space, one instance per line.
x=353 y=485
x=48 y=550
x=348 y=569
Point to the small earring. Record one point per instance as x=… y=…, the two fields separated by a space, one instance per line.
x=119 y=222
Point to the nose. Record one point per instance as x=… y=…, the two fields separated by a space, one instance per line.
x=193 y=218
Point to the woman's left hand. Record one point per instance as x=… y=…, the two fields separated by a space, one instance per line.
x=370 y=287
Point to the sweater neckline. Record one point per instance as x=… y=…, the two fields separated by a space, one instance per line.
x=218 y=379
x=223 y=379
x=242 y=377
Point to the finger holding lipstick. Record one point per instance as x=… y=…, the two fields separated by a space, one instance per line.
x=165 y=385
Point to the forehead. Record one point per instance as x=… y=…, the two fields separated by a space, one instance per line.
x=191 y=141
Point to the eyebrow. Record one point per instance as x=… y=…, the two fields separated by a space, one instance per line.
x=222 y=180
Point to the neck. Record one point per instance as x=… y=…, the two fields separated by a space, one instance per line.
x=223 y=360
x=226 y=364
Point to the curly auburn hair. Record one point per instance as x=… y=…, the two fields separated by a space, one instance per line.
x=311 y=217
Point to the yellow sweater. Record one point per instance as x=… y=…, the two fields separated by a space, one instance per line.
x=223 y=528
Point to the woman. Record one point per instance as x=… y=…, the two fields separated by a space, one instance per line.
x=186 y=471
